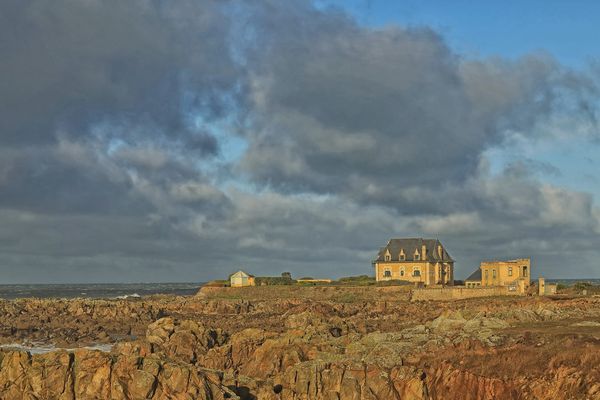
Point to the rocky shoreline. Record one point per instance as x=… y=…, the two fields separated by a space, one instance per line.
x=302 y=343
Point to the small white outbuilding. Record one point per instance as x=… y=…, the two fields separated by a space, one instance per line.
x=241 y=278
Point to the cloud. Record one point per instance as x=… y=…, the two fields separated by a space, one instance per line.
x=73 y=64
x=116 y=117
x=372 y=113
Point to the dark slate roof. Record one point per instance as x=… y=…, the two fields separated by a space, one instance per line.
x=475 y=276
x=409 y=246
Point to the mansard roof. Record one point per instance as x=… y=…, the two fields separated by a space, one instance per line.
x=410 y=245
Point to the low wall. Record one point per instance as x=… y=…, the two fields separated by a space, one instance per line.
x=461 y=292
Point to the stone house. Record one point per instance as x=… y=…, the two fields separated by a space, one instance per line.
x=414 y=260
x=513 y=273
x=241 y=278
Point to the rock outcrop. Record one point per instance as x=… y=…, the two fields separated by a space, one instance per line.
x=92 y=374
x=295 y=349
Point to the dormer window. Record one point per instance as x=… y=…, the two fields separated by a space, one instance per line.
x=388 y=257
x=402 y=257
x=417 y=256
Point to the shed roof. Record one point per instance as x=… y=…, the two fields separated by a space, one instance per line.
x=242 y=273
x=475 y=276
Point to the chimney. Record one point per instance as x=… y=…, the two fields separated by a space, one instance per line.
x=423 y=252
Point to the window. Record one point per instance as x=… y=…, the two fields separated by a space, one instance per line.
x=402 y=257
x=509 y=271
x=416 y=271
x=493 y=274
x=524 y=271
x=388 y=257
x=417 y=256
x=402 y=271
x=387 y=273
x=486 y=274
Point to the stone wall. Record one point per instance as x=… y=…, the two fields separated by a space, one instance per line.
x=460 y=292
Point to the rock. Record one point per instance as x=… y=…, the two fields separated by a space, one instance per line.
x=91 y=374
x=160 y=331
x=183 y=340
x=587 y=324
x=323 y=381
x=448 y=322
x=303 y=348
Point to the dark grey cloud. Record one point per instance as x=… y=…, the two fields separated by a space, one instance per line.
x=70 y=64
x=113 y=117
x=373 y=112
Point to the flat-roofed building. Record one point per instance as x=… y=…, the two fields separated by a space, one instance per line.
x=514 y=273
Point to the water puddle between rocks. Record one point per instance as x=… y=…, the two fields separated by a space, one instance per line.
x=34 y=348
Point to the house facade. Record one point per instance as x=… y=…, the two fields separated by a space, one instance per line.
x=414 y=260
x=516 y=273
x=241 y=279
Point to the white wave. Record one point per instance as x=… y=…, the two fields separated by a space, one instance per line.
x=127 y=296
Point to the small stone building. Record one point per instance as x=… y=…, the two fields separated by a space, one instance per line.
x=417 y=260
x=474 y=280
x=512 y=273
x=241 y=279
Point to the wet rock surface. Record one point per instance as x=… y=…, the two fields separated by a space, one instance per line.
x=306 y=345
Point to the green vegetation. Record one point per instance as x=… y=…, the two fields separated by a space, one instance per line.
x=361 y=280
x=217 y=283
x=285 y=280
x=582 y=285
x=346 y=297
x=590 y=288
x=273 y=280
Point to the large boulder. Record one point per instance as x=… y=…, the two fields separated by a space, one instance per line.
x=183 y=340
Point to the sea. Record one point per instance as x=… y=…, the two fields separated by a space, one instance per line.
x=97 y=290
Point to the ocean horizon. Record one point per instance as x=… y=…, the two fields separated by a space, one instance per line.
x=96 y=290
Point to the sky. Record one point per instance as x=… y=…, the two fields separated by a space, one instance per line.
x=155 y=141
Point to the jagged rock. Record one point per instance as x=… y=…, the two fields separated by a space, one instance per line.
x=448 y=321
x=311 y=323
x=323 y=381
x=295 y=348
x=91 y=374
x=184 y=340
